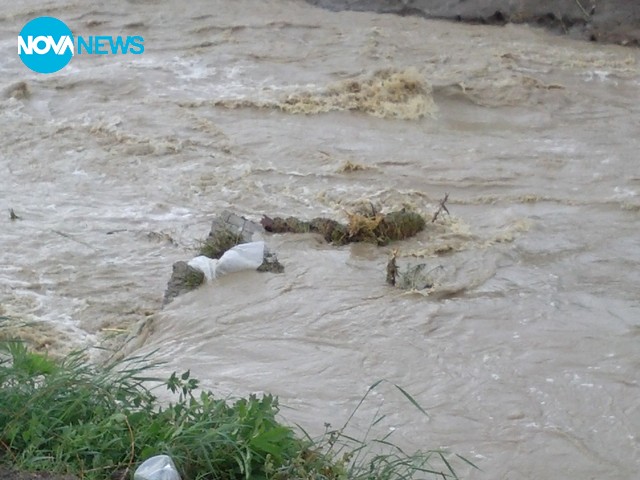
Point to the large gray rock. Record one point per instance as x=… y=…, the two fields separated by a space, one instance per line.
x=228 y=230
x=248 y=230
x=184 y=278
x=603 y=20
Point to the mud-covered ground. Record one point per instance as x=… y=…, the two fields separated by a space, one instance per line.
x=9 y=474
x=611 y=21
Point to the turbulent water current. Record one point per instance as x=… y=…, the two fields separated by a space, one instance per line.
x=525 y=353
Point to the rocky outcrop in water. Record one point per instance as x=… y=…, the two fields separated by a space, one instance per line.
x=184 y=278
x=227 y=231
x=614 y=21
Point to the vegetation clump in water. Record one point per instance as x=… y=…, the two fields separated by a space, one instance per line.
x=376 y=228
x=219 y=241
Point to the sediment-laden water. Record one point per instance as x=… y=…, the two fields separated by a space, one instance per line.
x=525 y=352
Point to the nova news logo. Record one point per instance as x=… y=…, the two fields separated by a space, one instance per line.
x=47 y=45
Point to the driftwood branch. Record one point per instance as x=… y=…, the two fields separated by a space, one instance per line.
x=441 y=208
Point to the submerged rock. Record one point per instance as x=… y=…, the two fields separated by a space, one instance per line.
x=227 y=231
x=184 y=278
x=270 y=263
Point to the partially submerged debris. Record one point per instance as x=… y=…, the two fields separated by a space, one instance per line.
x=414 y=276
x=417 y=277
x=270 y=263
x=442 y=207
x=376 y=228
x=349 y=166
x=392 y=269
x=184 y=278
x=18 y=90
x=219 y=241
x=227 y=231
x=400 y=225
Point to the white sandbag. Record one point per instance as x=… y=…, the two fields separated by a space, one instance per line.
x=246 y=256
x=206 y=265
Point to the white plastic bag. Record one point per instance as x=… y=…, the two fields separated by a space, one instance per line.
x=160 y=467
x=246 y=256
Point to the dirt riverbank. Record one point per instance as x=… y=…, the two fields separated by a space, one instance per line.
x=609 y=21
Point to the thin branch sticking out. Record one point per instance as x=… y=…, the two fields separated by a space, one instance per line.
x=441 y=208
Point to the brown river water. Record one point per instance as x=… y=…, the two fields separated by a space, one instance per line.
x=526 y=351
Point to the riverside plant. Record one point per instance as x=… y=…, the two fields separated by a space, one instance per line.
x=98 y=422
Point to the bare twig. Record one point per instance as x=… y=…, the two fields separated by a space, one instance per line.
x=584 y=12
x=66 y=235
x=133 y=450
x=8 y=449
x=441 y=208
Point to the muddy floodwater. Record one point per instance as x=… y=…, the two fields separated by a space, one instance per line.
x=525 y=353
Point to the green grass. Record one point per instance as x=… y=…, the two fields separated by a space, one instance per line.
x=215 y=245
x=71 y=416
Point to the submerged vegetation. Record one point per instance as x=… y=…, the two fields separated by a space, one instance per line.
x=377 y=228
x=219 y=242
x=98 y=422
